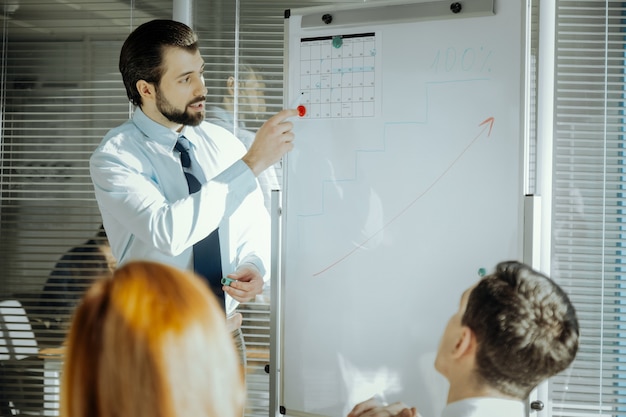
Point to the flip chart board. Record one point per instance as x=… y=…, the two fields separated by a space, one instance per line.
x=404 y=187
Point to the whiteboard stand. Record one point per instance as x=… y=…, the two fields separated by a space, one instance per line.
x=532 y=257
x=532 y=231
x=275 y=305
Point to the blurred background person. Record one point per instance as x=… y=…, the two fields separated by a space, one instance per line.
x=243 y=99
x=73 y=273
x=151 y=341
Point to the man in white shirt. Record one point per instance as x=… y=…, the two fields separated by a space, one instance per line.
x=513 y=329
x=140 y=175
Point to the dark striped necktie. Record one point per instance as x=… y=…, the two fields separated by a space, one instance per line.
x=207 y=261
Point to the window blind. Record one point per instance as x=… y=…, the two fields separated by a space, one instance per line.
x=60 y=92
x=587 y=206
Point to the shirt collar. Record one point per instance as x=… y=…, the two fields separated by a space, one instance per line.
x=155 y=131
x=190 y=133
x=484 y=407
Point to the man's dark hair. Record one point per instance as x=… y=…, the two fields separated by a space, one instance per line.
x=141 y=57
x=525 y=326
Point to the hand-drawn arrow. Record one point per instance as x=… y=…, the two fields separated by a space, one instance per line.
x=488 y=121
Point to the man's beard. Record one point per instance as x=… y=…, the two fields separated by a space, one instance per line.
x=179 y=116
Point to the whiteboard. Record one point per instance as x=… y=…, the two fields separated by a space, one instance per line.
x=405 y=185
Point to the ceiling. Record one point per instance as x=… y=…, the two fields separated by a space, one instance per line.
x=96 y=19
x=54 y=19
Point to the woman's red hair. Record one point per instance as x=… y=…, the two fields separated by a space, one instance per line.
x=151 y=341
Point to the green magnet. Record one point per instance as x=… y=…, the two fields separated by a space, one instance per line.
x=337 y=41
x=482 y=272
x=227 y=281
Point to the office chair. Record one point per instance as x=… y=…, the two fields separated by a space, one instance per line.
x=21 y=372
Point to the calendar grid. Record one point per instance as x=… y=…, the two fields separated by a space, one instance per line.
x=337 y=76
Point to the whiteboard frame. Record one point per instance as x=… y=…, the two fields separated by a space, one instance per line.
x=347 y=15
x=344 y=16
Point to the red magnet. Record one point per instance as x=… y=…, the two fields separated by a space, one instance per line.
x=301 y=110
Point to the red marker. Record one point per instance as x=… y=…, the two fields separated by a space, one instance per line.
x=296 y=105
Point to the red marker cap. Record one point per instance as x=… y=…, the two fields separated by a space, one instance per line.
x=301 y=110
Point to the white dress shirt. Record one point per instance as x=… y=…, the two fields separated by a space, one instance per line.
x=146 y=207
x=484 y=407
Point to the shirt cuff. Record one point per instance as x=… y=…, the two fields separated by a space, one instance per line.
x=237 y=169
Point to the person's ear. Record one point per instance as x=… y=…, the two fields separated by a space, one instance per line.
x=230 y=85
x=466 y=343
x=145 y=89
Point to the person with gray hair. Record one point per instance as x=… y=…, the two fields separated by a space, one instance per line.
x=243 y=98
